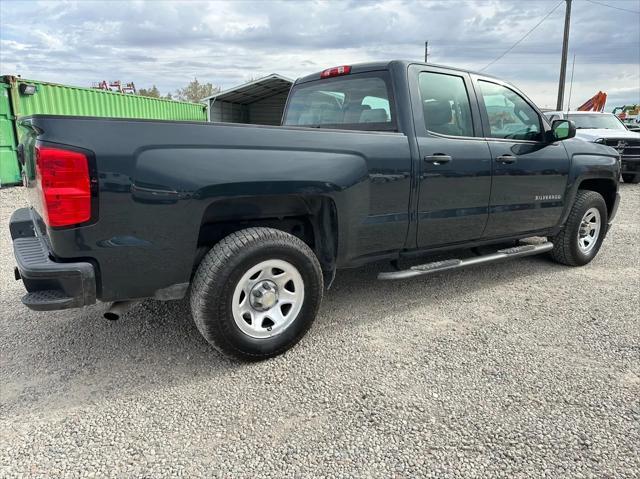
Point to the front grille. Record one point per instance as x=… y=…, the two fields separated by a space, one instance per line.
x=629 y=149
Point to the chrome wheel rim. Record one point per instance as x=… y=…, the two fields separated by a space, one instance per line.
x=268 y=298
x=589 y=230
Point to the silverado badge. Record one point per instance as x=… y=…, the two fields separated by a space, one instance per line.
x=548 y=197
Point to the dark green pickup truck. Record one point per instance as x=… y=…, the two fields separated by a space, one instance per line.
x=373 y=161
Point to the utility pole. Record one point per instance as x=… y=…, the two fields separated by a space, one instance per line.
x=426 y=51
x=565 y=48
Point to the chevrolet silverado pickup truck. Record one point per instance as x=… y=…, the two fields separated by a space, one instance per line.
x=607 y=129
x=376 y=161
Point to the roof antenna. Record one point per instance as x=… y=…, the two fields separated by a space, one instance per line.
x=573 y=67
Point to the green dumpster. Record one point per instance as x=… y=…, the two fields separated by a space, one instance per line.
x=21 y=97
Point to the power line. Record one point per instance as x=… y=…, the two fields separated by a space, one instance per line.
x=524 y=36
x=615 y=8
x=571 y=83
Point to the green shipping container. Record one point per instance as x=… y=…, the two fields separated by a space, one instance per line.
x=9 y=168
x=20 y=97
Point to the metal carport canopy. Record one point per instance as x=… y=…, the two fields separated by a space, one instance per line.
x=257 y=93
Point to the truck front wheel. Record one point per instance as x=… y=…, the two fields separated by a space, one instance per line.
x=582 y=235
x=256 y=293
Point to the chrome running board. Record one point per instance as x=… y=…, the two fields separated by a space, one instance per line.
x=437 y=266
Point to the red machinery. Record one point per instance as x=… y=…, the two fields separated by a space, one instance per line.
x=115 y=86
x=595 y=103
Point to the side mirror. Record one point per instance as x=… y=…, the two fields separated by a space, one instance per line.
x=562 y=130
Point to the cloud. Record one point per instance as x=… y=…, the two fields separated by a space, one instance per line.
x=167 y=43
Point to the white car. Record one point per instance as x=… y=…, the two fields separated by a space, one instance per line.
x=607 y=129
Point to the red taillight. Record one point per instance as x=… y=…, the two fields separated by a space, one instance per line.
x=63 y=177
x=336 y=71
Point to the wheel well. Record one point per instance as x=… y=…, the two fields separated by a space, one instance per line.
x=299 y=226
x=312 y=219
x=606 y=188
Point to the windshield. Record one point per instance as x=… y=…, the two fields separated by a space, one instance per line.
x=597 y=120
x=355 y=102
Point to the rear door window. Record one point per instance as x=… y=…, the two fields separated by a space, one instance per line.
x=445 y=104
x=356 y=102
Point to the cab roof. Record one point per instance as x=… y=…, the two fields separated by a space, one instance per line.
x=386 y=65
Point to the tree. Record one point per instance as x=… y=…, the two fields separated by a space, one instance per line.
x=152 y=92
x=196 y=91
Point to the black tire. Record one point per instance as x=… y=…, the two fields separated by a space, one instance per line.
x=565 y=245
x=631 y=178
x=221 y=270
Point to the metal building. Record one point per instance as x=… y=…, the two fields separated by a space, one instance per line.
x=260 y=102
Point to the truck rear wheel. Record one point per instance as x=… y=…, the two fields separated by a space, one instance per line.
x=256 y=293
x=580 y=239
x=631 y=178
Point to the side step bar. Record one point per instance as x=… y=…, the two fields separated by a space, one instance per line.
x=436 y=266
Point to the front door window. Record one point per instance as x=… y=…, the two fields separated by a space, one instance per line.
x=510 y=116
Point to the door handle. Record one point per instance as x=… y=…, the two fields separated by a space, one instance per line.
x=507 y=159
x=438 y=159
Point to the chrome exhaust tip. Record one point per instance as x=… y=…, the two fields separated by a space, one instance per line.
x=117 y=309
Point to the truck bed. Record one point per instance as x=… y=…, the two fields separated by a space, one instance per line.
x=156 y=182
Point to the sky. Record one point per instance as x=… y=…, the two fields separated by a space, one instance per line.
x=168 y=43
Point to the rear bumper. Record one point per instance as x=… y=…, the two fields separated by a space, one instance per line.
x=50 y=284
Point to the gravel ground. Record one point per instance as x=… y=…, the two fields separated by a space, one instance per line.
x=521 y=369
